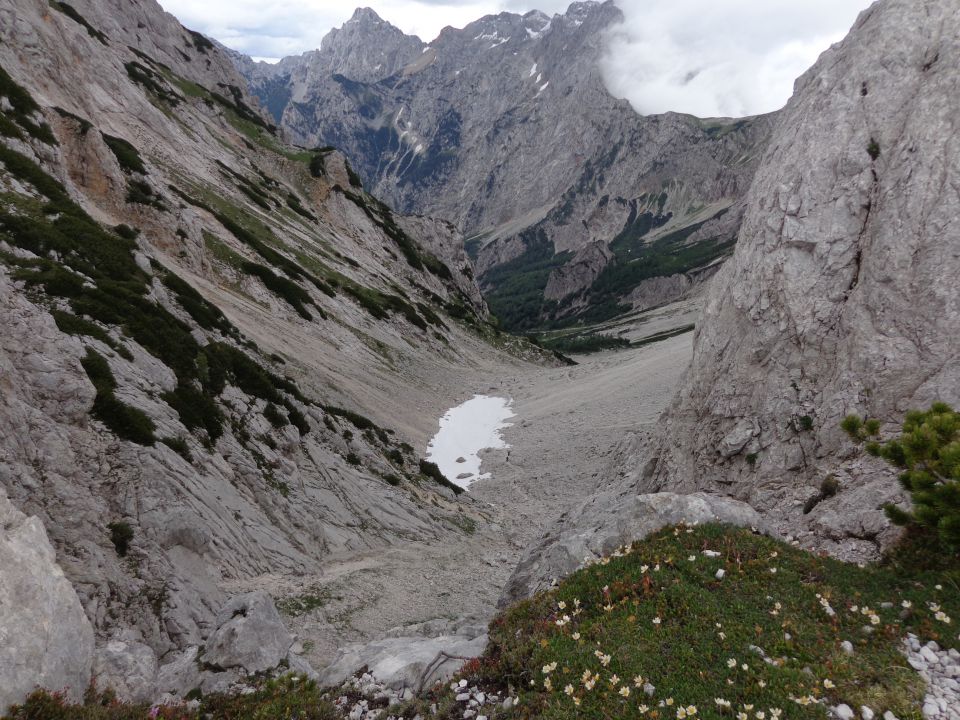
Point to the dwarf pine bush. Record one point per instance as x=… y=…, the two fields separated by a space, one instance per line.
x=928 y=452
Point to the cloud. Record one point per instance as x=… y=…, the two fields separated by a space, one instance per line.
x=704 y=57
x=715 y=59
x=290 y=27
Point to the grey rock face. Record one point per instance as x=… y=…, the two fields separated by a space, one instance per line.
x=249 y=635
x=506 y=129
x=45 y=637
x=610 y=520
x=179 y=674
x=129 y=668
x=578 y=274
x=841 y=295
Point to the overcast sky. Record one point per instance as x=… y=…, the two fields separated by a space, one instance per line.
x=705 y=57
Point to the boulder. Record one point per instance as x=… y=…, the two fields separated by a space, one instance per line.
x=249 y=635
x=129 y=668
x=405 y=662
x=180 y=674
x=46 y=639
x=609 y=520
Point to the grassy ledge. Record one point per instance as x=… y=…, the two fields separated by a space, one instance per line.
x=653 y=632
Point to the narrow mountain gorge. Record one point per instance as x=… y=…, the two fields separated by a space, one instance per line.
x=629 y=216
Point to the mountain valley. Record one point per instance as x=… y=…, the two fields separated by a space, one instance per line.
x=236 y=298
x=628 y=217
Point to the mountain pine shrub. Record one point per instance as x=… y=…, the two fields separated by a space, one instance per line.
x=928 y=453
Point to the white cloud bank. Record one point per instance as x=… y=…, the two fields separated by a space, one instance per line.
x=704 y=57
x=726 y=58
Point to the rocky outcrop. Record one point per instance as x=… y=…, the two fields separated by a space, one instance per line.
x=579 y=273
x=45 y=637
x=127 y=668
x=476 y=127
x=413 y=658
x=841 y=295
x=249 y=635
x=610 y=520
x=662 y=290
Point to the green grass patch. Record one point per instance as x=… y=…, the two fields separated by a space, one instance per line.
x=767 y=636
x=72 y=325
x=124 y=421
x=432 y=471
x=179 y=446
x=282 y=287
x=83 y=124
x=297 y=605
x=221 y=251
x=141 y=193
x=14 y=122
x=153 y=83
x=126 y=154
x=204 y=313
x=581 y=344
x=665 y=335
x=71 y=13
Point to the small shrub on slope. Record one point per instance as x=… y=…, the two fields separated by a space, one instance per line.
x=288 y=698
x=928 y=452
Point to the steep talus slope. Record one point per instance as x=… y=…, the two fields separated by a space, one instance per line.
x=215 y=348
x=506 y=129
x=839 y=298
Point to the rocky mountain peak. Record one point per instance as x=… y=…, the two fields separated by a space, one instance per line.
x=366 y=48
x=453 y=128
x=366 y=15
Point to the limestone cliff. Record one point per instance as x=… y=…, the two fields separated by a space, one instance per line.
x=841 y=295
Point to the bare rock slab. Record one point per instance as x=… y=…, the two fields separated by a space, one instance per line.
x=249 y=635
x=45 y=637
x=405 y=662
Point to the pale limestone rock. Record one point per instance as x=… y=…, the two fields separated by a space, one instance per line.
x=405 y=662
x=45 y=637
x=129 y=668
x=249 y=635
x=179 y=674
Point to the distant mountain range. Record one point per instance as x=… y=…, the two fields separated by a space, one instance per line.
x=575 y=207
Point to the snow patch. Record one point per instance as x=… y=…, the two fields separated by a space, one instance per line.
x=532 y=70
x=542 y=88
x=537 y=34
x=466 y=430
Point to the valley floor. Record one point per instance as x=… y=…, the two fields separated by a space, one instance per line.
x=571 y=426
